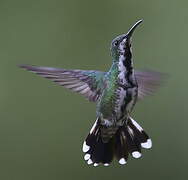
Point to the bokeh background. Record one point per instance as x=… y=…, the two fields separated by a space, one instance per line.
x=42 y=125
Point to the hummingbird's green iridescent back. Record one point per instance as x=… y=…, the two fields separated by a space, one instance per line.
x=108 y=97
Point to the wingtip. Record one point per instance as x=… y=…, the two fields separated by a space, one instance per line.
x=25 y=66
x=29 y=67
x=21 y=65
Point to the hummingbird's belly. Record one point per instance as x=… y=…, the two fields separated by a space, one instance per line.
x=118 y=99
x=125 y=102
x=114 y=108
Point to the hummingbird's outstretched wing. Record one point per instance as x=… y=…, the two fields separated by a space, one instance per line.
x=148 y=82
x=87 y=83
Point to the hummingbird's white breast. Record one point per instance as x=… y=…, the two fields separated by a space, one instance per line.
x=126 y=97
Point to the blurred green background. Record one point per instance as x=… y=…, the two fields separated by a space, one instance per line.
x=42 y=125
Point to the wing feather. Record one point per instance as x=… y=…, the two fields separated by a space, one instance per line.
x=148 y=82
x=87 y=83
x=91 y=83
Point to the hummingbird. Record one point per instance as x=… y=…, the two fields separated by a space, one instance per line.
x=115 y=134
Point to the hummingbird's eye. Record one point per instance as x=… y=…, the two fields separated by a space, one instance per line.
x=115 y=43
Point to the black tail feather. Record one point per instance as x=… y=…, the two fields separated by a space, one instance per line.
x=96 y=151
x=140 y=134
x=127 y=140
x=121 y=147
x=134 y=146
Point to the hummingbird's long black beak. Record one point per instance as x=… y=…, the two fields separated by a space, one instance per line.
x=130 y=32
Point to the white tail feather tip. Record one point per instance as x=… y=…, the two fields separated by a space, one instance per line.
x=106 y=164
x=122 y=161
x=89 y=161
x=87 y=156
x=96 y=164
x=85 y=147
x=136 y=154
x=147 y=144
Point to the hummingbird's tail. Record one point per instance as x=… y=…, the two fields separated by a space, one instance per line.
x=128 y=139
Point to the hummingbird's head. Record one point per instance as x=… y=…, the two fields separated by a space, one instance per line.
x=122 y=43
